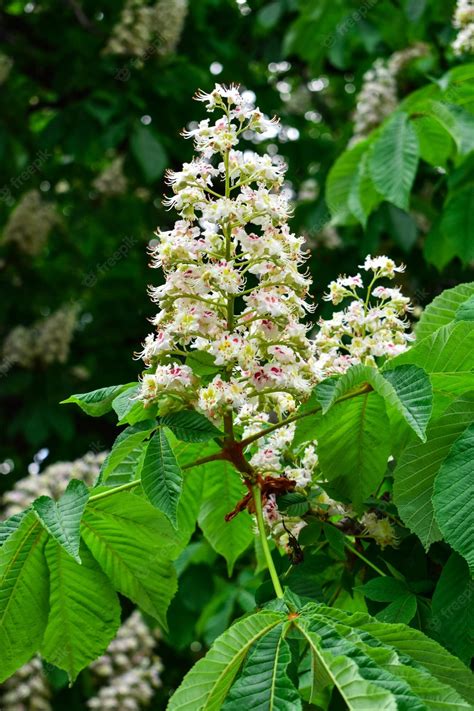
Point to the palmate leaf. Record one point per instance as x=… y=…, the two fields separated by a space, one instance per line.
x=134 y=545
x=375 y=666
x=161 y=476
x=98 y=402
x=23 y=594
x=452 y=609
x=448 y=357
x=443 y=309
x=84 y=611
x=419 y=465
x=205 y=687
x=62 y=519
x=407 y=389
x=407 y=669
x=264 y=683
x=354 y=446
x=223 y=488
x=394 y=160
x=453 y=496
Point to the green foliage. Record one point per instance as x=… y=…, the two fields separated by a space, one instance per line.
x=222 y=489
x=134 y=545
x=208 y=683
x=394 y=160
x=453 y=496
x=62 y=519
x=443 y=309
x=264 y=681
x=407 y=389
x=420 y=464
x=452 y=618
x=190 y=426
x=354 y=445
x=373 y=665
x=98 y=402
x=24 y=594
x=161 y=476
x=84 y=611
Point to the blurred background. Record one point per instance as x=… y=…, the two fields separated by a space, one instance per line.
x=94 y=96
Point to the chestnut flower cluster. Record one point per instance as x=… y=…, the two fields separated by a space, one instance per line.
x=464 y=23
x=378 y=96
x=30 y=223
x=233 y=289
x=234 y=292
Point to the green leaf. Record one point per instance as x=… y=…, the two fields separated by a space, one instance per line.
x=10 y=525
x=223 y=488
x=363 y=197
x=406 y=668
x=402 y=227
x=419 y=465
x=190 y=426
x=62 y=519
x=98 y=402
x=455 y=119
x=457 y=227
x=264 y=682
x=394 y=160
x=134 y=544
x=193 y=482
x=84 y=611
x=161 y=476
x=406 y=388
x=403 y=609
x=130 y=410
x=436 y=143
x=466 y=311
x=293 y=504
x=443 y=309
x=452 y=619
x=202 y=363
x=453 y=496
x=357 y=693
x=341 y=180
x=149 y=153
x=383 y=589
x=205 y=687
x=127 y=448
x=23 y=594
x=354 y=446
x=448 y=358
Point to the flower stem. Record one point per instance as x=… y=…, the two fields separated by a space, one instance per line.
x=115 y=490
x=366 y=560
x=263 y=537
